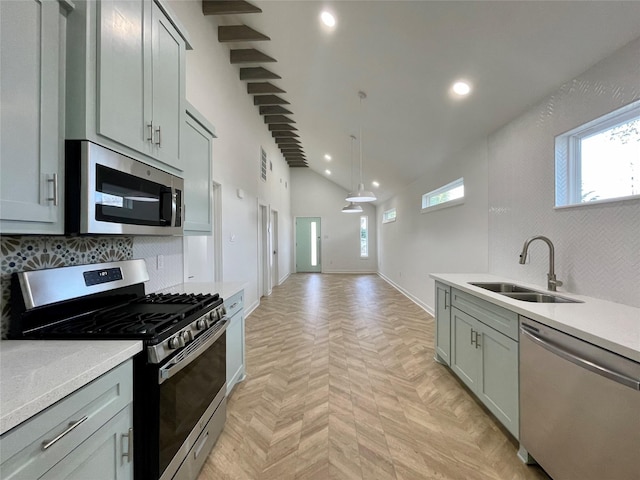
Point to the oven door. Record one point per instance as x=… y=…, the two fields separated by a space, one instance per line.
x=192 y=385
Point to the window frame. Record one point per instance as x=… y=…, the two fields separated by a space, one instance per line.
x=568 y=157
x=386 y=215
x=366 y=238
x=425 y=207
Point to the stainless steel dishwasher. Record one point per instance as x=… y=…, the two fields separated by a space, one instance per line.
x=579 y=406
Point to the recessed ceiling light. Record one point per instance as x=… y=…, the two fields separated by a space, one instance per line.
x=375 y=184
x=328 y=172
x=461 y=88
x=327 y=157
x=328 y=19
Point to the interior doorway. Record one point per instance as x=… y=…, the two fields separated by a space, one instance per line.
x=275 y=276
x=264 y=270
x=308 y=244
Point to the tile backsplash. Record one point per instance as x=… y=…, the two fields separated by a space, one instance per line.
x=19 y=254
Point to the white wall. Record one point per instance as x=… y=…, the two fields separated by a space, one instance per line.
x=312 y=195
x=214 y=88
x=452 y=240
x=597 y=246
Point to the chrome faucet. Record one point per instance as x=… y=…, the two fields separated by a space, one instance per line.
x=552 y=281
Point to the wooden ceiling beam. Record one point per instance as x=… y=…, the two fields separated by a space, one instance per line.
x=298 y=165
x=281 y=141
x=273 y=110
x=278 y=119
x=228 y=7
x=269 y=100
x=281 y=126
x=257 y=73
x=284 y=133
x=249 y=55
x=239 y=33
x=256 y=88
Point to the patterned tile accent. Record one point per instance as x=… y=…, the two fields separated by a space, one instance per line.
x=22 y=254
x=597 y=246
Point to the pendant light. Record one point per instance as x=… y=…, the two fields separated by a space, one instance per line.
x=361 y=195
x=351 y=207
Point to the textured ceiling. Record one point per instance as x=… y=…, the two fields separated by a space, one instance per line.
x=405 y=56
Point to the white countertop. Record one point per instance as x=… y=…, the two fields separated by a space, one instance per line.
x=225 y=289
x=35 y=374
x=613 y=326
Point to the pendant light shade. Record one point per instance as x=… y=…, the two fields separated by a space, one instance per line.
x=352 y=208
x=361 y=195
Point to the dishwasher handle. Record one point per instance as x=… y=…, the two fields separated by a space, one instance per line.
x=582 y=362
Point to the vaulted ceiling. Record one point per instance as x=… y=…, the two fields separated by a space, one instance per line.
x=406 y=55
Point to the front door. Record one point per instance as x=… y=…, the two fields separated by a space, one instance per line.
x=308 y=244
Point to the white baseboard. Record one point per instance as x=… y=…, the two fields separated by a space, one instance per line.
x=413 y=298
x=249 y=310
x=283 y=279
x=350 y=272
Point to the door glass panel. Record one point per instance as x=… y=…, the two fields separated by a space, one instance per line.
x=314 y=246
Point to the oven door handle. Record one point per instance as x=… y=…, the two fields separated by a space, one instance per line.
x=191 y=352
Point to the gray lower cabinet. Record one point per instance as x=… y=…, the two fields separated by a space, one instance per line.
x=33 y=38
x=197 y=155
x=126 y=79
x=235 y=339
x=443 y=323
x=484 y=354
x=86 y=435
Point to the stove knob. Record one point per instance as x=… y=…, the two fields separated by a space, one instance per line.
x=174 y=342
x=201 y=324
x=223 y=311
x=186 y=336
x=214 y=315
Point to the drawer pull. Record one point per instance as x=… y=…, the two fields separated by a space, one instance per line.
x=233 y=306
x=72 y=425
x=129 y=453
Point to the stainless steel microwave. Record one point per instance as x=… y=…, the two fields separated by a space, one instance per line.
x=109 y=193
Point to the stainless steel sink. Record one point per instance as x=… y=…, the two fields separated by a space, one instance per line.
x=524 y=294
x=503 y=287
x=538 y=297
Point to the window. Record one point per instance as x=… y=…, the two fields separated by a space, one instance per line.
x=314 y=244
x=389 y=215
x=600 y=160
x=364 y=237
x=263 y=164
x=446 y=196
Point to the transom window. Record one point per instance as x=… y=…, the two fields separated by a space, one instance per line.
x=600 y=160
x=448 y=195
x=389 y=215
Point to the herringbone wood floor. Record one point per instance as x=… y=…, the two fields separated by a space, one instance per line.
x=341 y=384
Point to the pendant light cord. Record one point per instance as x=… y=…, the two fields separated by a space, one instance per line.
x=351 y=162
x=362 y=96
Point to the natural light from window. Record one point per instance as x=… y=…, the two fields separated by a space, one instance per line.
x=364 y=237
x=600 y=161
x=611 y=163
x=450 y=194
x=389 y=215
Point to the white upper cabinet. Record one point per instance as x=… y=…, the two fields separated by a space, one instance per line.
x=32 y=35
x=197 y=155
x=126 y=80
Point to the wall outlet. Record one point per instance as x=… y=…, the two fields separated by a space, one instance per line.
x=160 y=262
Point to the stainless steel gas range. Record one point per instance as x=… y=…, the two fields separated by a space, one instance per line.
x=179 y=377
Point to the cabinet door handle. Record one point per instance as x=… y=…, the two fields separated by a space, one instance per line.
x=150 y=127
x=54 y=181
x=477 y=338
x=159 y=142
x=129 y=453
x=472 y=332
x=72 y=426
x=446 y=296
